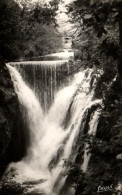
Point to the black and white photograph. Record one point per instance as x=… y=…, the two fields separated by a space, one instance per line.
x=60 y=97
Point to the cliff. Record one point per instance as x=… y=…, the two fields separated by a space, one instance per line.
x=97 y=44
x=12 y=144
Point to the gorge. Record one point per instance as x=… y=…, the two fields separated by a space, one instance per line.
x=60 y=97
x=55 y=125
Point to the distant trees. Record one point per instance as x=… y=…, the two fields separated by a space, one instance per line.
x=27 y=32
x=38 y=34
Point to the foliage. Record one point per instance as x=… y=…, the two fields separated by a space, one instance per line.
x=104 y=168
x=27 y=33
x=96 y=40
x=96 y=45
x=9 y=18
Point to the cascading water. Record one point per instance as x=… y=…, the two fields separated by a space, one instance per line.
x=45 y=78
x=54 y=130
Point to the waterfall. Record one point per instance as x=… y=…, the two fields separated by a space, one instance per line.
x=92 y=131
x=45 y=78
x=58 y=109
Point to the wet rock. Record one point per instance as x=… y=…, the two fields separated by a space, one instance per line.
x=119 y=157
x=8 y=112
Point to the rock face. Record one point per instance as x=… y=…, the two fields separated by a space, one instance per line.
x=10 y=121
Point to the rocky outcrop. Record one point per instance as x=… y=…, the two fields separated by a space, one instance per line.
x=11 y=139
x=8 y=108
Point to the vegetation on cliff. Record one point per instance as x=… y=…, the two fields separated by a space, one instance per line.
x=97 y=44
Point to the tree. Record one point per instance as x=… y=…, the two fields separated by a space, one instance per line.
x=98 y=24
x=27 y=32
x=9 y=18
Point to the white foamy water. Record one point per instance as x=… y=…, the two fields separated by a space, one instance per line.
x=44 y=77
x=92 y=131
x=41 y=63
x=54 y=135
